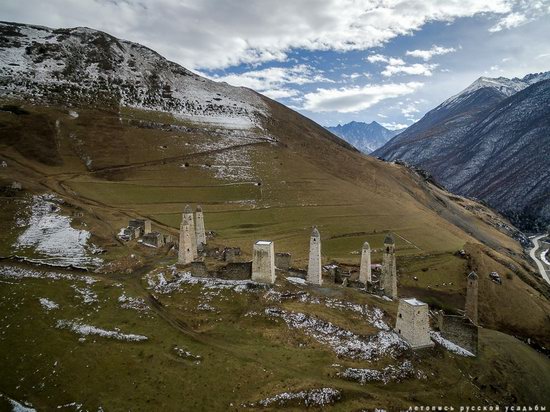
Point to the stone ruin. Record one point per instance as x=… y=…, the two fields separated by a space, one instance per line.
x=459 y=330
x=154 y=239
x=413 y=323
x=231 y=254
x=283 y=261
x=136 y=228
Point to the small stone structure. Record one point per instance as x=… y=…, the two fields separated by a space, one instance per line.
x=459 y=330
x=127 y=233
x=471 y=298
x=283 y=260
x=314 y=269
x=185 y=252
x=388 y=279
x=200 y=232
x=230 y=254
x=365 y=275
x=144 y=225
x=413 y=323
x=236 y=271
x=188 y=217
x=263 y=262
x=155 y=239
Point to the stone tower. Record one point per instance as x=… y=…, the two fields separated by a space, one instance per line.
x=201 y=233
x=263 y=262
x=365 y=270
x=471 y=298
x=388 y=280
x=185 y=251
x=413 y=323
x=188 y=217
x=314 y=270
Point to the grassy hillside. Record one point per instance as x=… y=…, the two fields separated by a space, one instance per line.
x=106 y=166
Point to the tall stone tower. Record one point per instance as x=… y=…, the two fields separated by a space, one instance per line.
x=413 y=323
x=201 y=233
x=365 y=270
x=314 y=270
x=388 y=280
x=263 y=262
x=185 y=251
x=188 y=217
x=471 y=298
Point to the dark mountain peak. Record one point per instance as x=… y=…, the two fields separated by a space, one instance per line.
x=364 y=136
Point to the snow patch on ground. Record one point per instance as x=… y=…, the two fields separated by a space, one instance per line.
x=87 y=295
x=185 y=354
x=307 y=398
x=86 y=330
x=160 y=284
x=343 y=342
x=128 y=302
x=50 y=235
x=15 y=272
x=48 y=304
x=388 y=374
x=296 y=281
x=17 y=406
x=450 y=346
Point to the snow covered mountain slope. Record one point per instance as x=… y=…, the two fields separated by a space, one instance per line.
x=488 y=142
x=367 y=137
x=91 y=67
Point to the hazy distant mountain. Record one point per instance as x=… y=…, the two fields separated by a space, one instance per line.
x=366 y=137
x=490 y=141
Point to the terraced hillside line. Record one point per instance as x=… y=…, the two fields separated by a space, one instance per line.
x=173 y=159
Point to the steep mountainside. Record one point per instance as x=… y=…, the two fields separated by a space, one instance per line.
x=366 y=137
x=489 y=142
x=88 y=143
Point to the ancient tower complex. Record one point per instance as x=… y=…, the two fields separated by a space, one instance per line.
x=471 y=298
x=365 y=270
x=388 y=280
x=263 y=262
x=188 y=217
x=413 y=323
x=201 y=233
x=185 y=251
x=314 y=274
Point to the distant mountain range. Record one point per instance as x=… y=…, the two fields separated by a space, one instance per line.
x=491 y=141
x=367 y=137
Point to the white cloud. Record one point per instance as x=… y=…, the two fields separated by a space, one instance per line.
x=383 y=116
x=428 y=54
x=409 y=110
x=510 y=21
x=222 y=33
x=274 y=81
x=394 y=125
x=354 y=99
x=417 y=69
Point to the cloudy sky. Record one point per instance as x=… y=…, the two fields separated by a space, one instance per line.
x=332 y=60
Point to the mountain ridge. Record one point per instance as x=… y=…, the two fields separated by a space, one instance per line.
x=440 y=140
x=366 y=137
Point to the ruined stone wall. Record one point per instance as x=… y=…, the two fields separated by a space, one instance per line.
x=461 y=331
x=283 y=261
x=236 y=271
x=199 y=269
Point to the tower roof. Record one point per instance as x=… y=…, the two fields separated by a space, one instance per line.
x=389 y=240
x=315 y=232
x=188 y=209
x=366 y=245
x=199 y=208
x=472 y=275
